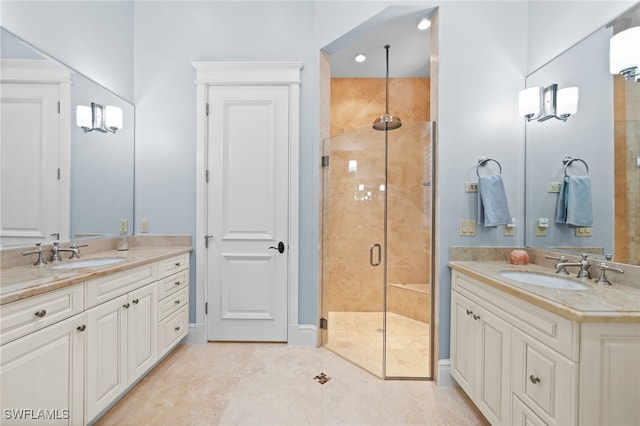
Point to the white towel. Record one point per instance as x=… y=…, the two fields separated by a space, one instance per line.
x=493 y=208
x=574 y=202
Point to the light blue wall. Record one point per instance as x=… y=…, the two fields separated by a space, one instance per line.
x=92 y=37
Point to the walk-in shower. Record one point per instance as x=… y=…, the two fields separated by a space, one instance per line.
x=377 y=228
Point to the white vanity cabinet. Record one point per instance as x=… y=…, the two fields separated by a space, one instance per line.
x=521 y=364
x=42 y=373
x=67 y=355
x=173 y=307
x=480 y=347
x=121 y=345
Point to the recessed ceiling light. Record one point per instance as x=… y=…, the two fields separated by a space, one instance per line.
x=360 y=57
x=424 y=24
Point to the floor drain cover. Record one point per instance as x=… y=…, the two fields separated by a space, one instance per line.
x=322 y=378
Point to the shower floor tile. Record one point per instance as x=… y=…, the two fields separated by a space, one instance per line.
x=358 y=337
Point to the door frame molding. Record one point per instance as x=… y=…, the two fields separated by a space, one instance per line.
x=248 y=74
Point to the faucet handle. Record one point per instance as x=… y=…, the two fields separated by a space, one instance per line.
x=75 y=245
x=560 y=258
x=602 y=279
x=39 y=250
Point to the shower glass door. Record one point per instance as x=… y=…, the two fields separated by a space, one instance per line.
x=354 y=183
x=377 y=262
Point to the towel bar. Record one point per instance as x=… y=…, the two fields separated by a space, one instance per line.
x=482 y=161
x=567 y=161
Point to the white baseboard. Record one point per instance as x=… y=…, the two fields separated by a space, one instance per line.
x=299 y=334
x=303 y=335
x=445 y=379
x=197 y=334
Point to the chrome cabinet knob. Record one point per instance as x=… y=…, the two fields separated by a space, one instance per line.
x=535 y=380
x=82 y=327
x=41 y=313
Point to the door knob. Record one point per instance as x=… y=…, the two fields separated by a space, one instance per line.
x=280 y=247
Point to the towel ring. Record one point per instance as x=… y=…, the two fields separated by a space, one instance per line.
x=567 y=161
x=482 y=161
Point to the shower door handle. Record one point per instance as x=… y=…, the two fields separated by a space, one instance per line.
x=379 y=247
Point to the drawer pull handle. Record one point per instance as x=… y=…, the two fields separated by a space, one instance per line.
x=82 y=327
x=469 y=312
x=178 y=328
x=177 y=264
x=476 y=317
x=126 y=306
x=135 y=301
x=41 y=313
x=177 y=302
x=177 y=283
x=534 y=379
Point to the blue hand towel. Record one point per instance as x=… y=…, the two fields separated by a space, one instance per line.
x=493 y=208
x=574 y=203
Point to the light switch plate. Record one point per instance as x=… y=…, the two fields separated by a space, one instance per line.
x=471 y=187
x=124 y=226
x=468 y=227
x=144 y=225
x=553 y=186
x=584 y=232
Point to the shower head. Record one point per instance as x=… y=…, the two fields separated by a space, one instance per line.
x=387 y=121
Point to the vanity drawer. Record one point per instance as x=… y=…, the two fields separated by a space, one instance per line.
x=173 y=303
x=172 y=329
x=25 y=316
x=553 y=330
x=172 y=284
x=544 y=380
x=173 y=265
x=105 y=288
x=522 y=415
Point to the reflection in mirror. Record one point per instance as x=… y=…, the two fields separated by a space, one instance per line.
x=605 y=134
x=59 y=182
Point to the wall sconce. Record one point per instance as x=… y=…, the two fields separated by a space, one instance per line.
x=103 y=118
x=541 y=104
x=624 y=53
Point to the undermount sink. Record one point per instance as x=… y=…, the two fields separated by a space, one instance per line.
x=543 y=280
x=88 y=263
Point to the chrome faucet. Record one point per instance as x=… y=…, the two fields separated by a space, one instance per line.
x=74 y=249
x=560 y=259
x=602 y=279
x=583 y=264
x=39 y=249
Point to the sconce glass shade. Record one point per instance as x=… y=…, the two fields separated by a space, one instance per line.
x=113 y=118
x=83 y=117
x=567 y=102
x=529 y=102
x=624 y=52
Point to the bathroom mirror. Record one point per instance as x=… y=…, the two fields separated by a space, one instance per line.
x=96 y=168
x=605 y=135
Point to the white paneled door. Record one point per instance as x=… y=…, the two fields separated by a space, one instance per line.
x=30 y=163
x=247 y=212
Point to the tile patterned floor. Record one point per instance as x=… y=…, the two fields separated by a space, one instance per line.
x=357 y=336
x=273 y=384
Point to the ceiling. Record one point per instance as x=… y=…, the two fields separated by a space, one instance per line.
x=396 y=26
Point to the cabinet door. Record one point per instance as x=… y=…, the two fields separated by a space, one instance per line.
x=41 y=375
x=610 y=374
x=462 y=341
x=493 y=361
x=142 y=334
x=106 y=354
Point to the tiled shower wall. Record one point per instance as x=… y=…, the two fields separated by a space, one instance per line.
x=354 y=220
x=627 y=173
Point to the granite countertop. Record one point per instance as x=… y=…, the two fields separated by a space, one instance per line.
x=614 y=303
x=20 y=282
